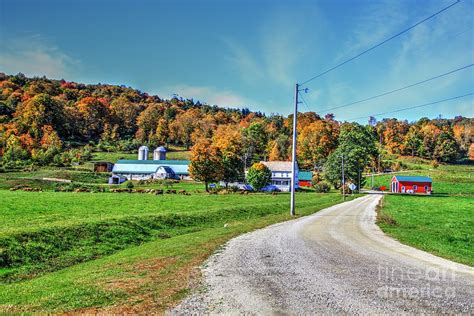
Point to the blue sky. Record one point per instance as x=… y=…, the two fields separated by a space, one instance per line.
x=250 y=53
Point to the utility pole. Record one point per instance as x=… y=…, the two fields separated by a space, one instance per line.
x=372 y=178
x=293 y=154
x=343 y=181
x=358 y=187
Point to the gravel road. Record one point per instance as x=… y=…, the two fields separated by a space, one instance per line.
x=335 y=261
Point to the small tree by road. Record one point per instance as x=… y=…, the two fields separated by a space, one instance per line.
x=259 y=176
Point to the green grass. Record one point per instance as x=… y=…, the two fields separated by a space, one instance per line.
x=73 y=251
x=447 y=179
x=443 y=223
x=35 y=178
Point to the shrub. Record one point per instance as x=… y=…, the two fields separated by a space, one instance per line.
x=130 y=185
x=435 y=164
x=322 y=187
x=316 y=178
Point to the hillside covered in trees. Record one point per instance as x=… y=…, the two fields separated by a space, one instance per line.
x=44 y=121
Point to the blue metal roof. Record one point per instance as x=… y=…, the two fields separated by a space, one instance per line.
x=305 y=175
x=180 y=167
x=413 y=178
x=155 y=162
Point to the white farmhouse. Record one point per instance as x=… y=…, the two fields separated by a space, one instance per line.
x=281 y=174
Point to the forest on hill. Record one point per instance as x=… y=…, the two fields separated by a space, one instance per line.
x=45 y=121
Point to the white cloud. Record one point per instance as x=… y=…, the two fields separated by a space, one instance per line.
x=378 y=21
x=277 y=49
x=35 y=56
x=210 y=95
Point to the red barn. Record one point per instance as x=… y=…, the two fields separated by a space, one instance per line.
x=305 y=178
x=411 y=185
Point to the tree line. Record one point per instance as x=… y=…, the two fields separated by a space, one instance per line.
x=45 y=121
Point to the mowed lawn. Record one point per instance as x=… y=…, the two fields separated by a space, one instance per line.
x=89 y=252
x=443 y=223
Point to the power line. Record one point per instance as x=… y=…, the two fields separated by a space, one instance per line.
x=396 y=90
x=413 y=107
x=381 y=43
x=304 y=102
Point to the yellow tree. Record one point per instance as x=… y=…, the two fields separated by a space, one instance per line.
x=228 y=140
x=394 y=135
x=94 y=114
x=279 y=149
x=316 y=142
x=50 y=139
x=184 y=125
x=148 y=119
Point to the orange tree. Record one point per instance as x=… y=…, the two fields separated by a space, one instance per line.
x=206 y=162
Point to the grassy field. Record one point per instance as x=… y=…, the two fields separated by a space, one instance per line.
x=35 y=178
x=120 y=252
x=443 y=223
x=174 y=153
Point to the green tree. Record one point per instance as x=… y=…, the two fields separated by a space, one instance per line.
x=255 y=142
x=357 y=145
x=259 y=176
x=413 y=141
x=14 y=151
x=447 y=149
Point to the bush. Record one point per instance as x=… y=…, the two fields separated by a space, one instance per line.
x=130 y=185
x=399 y=165
x=435 y=164
x=259 y=176
x=322 y=187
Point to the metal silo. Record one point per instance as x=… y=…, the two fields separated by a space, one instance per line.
x=159 y=153
x=143 y=153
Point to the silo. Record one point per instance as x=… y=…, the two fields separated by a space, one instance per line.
x=143 y=153
x=159 y=153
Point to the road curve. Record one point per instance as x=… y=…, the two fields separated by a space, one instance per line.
x=335 y=261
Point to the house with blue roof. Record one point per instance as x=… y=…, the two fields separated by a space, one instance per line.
x=411 y=185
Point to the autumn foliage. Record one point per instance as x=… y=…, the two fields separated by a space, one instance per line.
x=45 y=121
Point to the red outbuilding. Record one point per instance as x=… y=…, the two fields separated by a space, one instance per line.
x=411 y=185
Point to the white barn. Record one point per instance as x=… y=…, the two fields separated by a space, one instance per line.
x=151 y=169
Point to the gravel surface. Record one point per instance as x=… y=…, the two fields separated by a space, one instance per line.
x=335 y=261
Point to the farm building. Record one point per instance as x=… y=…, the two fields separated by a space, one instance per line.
x=281 y=174
x=103 y=166
x=151 y=169
x=411 y=185
x=305 y=178
x=144 y=169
